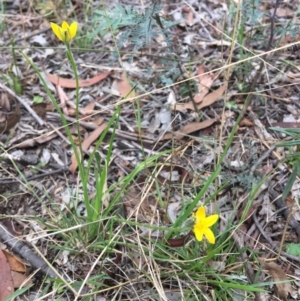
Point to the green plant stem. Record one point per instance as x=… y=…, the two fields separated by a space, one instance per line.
x=73 y=64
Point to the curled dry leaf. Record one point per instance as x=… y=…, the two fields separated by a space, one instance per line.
x=246 y=122
x=20 y=279
x=6 y=283
x=15 y=263
x=63 y=99
x=71 y=83
x=124 y=87
x=8 y=117
x=205 y=82
x=208 y=100
x=278 y=274
x=190 y=15
x=40 y=140
x=178 y=242
x=40 y=109
x=287 y=125
x=189 y=128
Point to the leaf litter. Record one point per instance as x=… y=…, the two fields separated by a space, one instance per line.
x=167 y=122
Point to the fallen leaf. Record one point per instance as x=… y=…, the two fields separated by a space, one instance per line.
x=15 y=264
x=189 y=128
x=85 y=145
x=208 y=100
x=287 y=125
x=178 y=242
x=71 y=83
x=283 y=12
x=40 y=108
x=125 y=88
x=63 y=100
x=190 y=18
x=97 y=121
x=212 y=97
x=205 y=82
x=9 y=119
x=246 y=122
x=278 y=275
x=89 y=108
x=40 y=140
x=20 y=279
x=6 y=283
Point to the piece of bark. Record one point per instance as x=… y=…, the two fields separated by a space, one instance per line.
x=20 y=248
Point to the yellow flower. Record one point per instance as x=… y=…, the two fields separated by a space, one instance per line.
x=65 y=33
x=202 y=224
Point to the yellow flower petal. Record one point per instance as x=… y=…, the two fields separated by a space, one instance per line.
x=57 y=31
x=198 y=233
x=211 y=220
x=73 y=30
x=209 y=235
x=64 y=25
x=200 y=213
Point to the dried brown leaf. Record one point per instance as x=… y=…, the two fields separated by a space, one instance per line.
x=20 y=279
x=40 y=109
x=178 y=242
x=212 y=97
x=190 y=18
x=15 y=263
x=89 y=108
x=205 y=82
x=10 y=119
x=246 y=122
x=208 y=100
x=278 y=275
x=63 y=99
x=189 y=128
x=5 y=103
x=284 y=12
x=71 y=83
x=287 y=125
x=125 y=88
x=6 y=283
x=33 y=141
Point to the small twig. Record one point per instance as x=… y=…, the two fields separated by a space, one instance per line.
x=261 y=230
x=284 y=232
x=49 y=173
x=272 y=26
x=24 y=103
